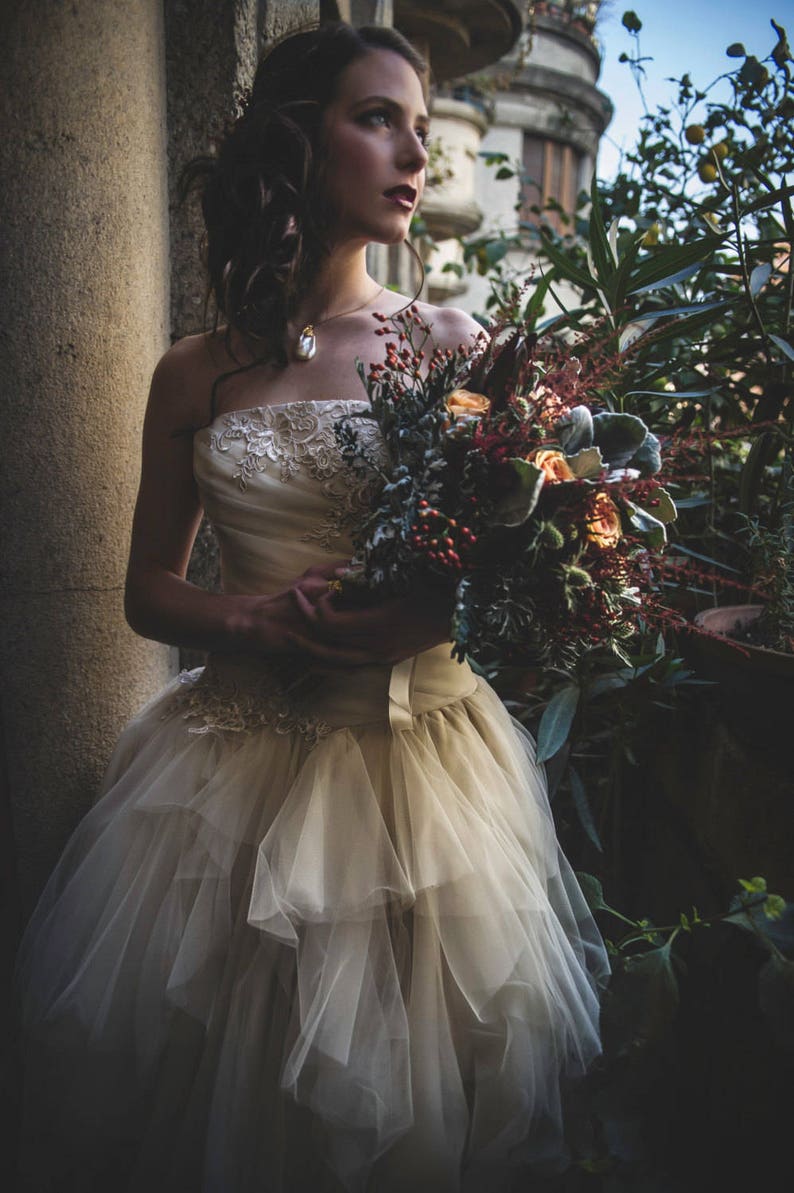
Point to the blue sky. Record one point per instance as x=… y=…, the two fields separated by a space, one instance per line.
x=680 y=36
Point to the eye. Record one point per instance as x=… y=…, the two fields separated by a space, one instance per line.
x=423 y=134
x=378 y=117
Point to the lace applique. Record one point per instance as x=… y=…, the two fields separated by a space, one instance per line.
x=300 y=436
x=226 y=705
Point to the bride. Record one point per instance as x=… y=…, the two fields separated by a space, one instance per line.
x=317 y=935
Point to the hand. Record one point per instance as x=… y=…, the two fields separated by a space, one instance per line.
x=285 y=624
x=377 y=629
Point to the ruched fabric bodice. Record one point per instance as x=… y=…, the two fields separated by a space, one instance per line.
x=280 y=499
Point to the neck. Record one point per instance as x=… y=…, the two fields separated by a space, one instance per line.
x=341 y=283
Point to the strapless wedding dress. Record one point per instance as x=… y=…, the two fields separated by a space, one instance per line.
x=318 y=933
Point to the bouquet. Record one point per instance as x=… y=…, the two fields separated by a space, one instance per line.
x=500 y=479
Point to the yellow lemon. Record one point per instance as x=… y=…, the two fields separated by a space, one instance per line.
x=695 y=134
x=719 y=151
x=707 y=172
x=651 y=237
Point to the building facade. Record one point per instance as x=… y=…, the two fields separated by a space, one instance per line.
x=545 y=118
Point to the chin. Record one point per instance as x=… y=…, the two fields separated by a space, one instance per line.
x=393 y=232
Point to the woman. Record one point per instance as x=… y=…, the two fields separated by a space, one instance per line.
x=318 y=934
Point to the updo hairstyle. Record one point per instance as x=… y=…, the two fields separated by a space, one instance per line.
x=262 y=198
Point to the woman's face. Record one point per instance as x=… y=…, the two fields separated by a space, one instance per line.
x=375 y=142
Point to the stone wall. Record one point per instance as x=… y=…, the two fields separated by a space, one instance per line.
x=85 y=317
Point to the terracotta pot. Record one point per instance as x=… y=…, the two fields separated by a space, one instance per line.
x=756 y=684
x=747 y=656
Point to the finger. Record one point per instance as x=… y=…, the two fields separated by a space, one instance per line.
x=306 y=607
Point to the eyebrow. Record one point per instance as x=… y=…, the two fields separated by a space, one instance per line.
x=422 y=117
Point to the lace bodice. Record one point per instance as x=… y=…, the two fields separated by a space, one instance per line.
x=277 y=492
x=281 y=499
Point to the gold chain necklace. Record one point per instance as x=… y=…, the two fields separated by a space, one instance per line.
x=306 y=343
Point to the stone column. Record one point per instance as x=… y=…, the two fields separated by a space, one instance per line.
x=85 y=318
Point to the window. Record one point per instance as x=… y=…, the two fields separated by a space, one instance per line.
x=552 y=172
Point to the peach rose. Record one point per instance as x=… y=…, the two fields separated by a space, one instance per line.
x=464 y=404
x=553 y=465
x=603 y=522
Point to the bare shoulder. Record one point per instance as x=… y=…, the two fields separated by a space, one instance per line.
x=451 y=326
x=183 y=378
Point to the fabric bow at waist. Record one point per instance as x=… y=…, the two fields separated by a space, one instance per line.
x=290 y=697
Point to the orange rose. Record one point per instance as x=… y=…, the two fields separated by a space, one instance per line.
x=603 y=522
x=463 y=403
x=553 y=465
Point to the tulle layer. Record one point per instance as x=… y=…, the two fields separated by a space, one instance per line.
x=269 y=963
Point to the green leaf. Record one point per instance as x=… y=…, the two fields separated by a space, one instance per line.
x=752 y=73
x=759 y=277
x=631 y=21
x=666 y=510
x=650 y=528
x=504 y=172
x=495 y=250
x=609 y=683
x=669 y=395
x=586 y=464
x=753 y=885
x=668 y=263
x=717 y=563
x=563 y=266
x=736 y=50
x=555 y=724
x=632 y=332
x=686 y=310
x=619 y=436
x=648 y=458
x=535 y=303
x=593 y=891
x=783 y=345
x=643 y=1002
x=598 y=241
x=774 y=906
x=575 y=429
x=782 y=51
x=516 y=506
x=769 y=199
x=764 y=448
x=583 y=810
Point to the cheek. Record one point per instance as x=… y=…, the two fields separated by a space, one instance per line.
x=356 y=156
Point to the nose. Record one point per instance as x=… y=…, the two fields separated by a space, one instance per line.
x=413 y=153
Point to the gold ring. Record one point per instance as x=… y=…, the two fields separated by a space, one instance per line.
x=334 y=585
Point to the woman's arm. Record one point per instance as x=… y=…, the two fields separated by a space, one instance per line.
x=159 y=602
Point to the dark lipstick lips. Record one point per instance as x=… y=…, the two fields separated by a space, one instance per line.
x=401 y=192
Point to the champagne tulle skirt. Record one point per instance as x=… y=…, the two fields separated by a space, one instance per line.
x=304 y=956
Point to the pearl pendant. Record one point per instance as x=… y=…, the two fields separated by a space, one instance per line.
x=306 y=346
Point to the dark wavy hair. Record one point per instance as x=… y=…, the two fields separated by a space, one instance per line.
x=262 y=199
